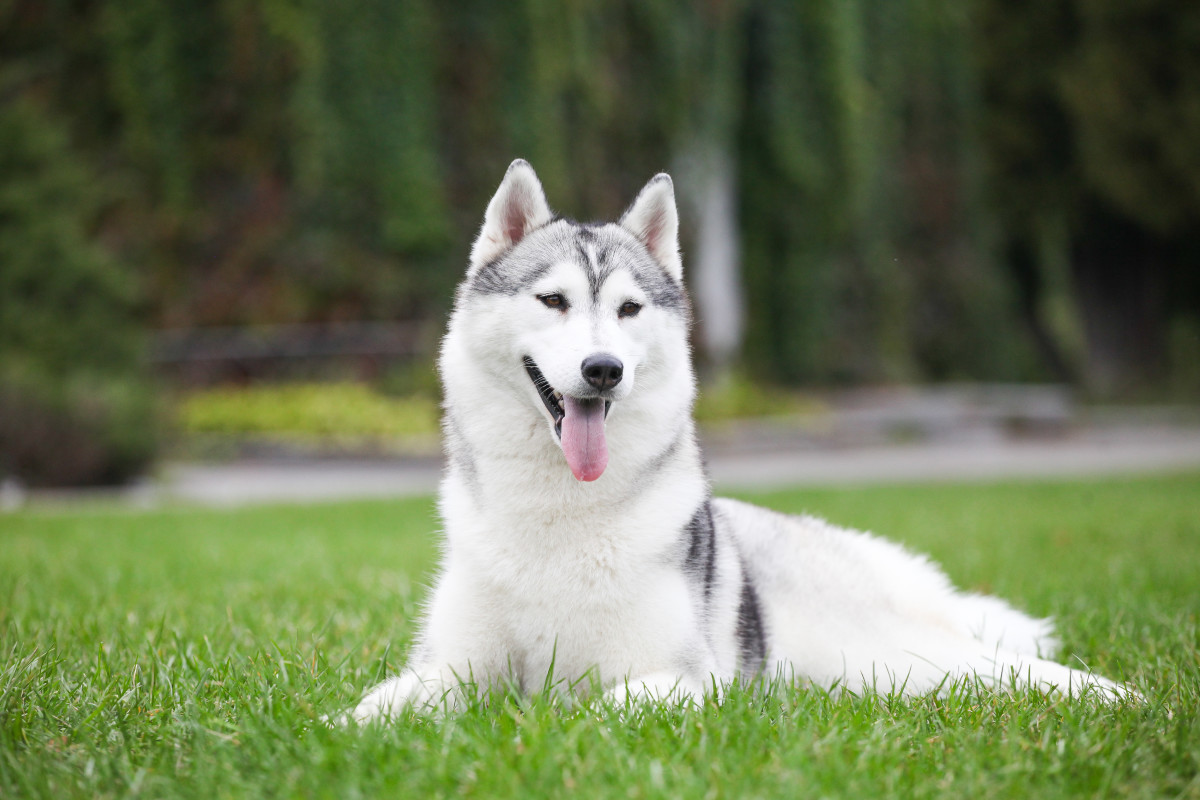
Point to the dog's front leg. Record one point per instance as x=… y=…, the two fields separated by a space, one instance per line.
x=430 y=691
x=657 y=687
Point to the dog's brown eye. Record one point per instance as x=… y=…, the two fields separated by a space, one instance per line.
x=553 y=301
x=629 y=309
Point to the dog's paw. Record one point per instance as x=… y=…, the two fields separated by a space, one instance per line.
x=425 y=693
x=384 y=701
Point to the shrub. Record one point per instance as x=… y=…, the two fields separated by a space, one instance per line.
x=308 y=410
x=75 y=403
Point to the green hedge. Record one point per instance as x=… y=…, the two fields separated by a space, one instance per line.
x=307 y=410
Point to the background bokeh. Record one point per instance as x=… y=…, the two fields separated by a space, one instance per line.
x=899 y=192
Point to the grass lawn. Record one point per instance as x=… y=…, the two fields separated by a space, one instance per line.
x=185 y=653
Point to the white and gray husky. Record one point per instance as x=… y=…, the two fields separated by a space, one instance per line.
x=581 y=539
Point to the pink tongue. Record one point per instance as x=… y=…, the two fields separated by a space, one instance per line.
x=583 y=438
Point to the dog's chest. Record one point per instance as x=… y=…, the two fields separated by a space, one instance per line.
x=579 y=598
x=562 y=566
x=610 y=623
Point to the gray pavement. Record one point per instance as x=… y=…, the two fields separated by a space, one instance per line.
x=964 y=460
x=751 y=460
x=979 y=458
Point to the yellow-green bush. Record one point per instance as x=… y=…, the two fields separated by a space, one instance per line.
x=309 y=409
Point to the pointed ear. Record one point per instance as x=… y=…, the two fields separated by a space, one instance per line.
x=518 y=207
x=654 y=221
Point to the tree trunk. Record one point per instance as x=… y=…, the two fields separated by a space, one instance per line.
x=1119 y=270
x=1029 y=288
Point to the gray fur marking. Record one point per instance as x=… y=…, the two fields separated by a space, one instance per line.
x=460 y=452
x=752 y=639
x=701 y=559
x=519 y=268
x=506 y=276
x=654 y=467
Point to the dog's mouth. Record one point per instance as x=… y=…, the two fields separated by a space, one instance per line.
x=578 y=425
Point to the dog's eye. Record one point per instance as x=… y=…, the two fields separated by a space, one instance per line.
x=553 y=301
x=629 y=309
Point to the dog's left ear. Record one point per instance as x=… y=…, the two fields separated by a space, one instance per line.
x=518 y=207
x=654 y=220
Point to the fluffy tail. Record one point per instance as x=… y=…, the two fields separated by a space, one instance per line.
x=1012 y=670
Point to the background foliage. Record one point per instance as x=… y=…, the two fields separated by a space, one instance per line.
x=924 y=189
x=74 y=404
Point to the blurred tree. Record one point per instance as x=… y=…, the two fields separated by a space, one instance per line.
x=291 y=153
x=864 y=243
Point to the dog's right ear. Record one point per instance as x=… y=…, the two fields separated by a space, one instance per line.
x=518 y=207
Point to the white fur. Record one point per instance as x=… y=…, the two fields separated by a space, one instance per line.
x=544 y=577
x=654 y=220
x=518 y=207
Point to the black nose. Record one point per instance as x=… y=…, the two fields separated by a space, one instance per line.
x=602 y=371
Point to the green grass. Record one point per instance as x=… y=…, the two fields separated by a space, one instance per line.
x=183 y=653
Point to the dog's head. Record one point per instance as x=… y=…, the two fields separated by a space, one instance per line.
x=576 y=318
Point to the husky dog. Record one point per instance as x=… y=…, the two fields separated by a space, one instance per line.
x=580 y=535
